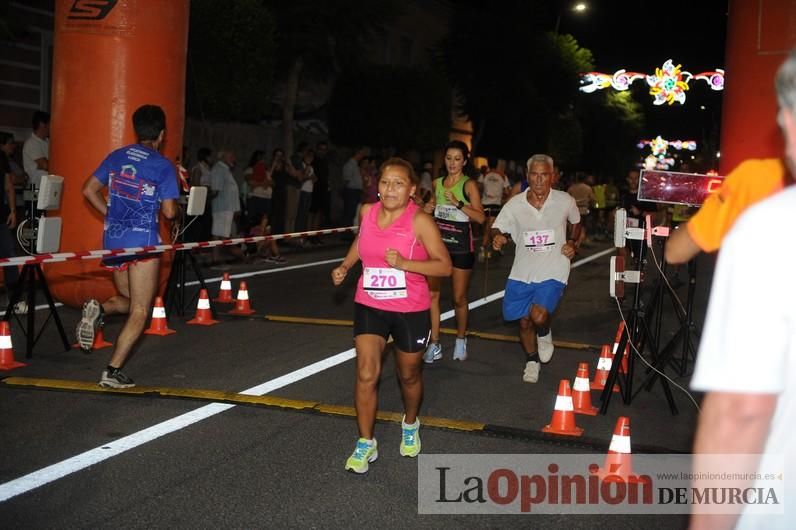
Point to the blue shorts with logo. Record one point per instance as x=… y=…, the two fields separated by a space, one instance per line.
x=520 y=296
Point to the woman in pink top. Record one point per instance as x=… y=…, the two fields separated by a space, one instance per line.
x=398 y=245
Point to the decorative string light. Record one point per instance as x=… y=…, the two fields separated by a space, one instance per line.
x=668 y=85
x=660 y=146
x=658 y=162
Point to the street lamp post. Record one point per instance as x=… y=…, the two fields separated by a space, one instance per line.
x=579 y=7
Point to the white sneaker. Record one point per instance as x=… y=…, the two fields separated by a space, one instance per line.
x=90 y=321
x=531 y=373
x=433 y=353
x=545 y=346
x=460 y=350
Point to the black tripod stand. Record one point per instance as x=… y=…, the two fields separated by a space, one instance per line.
x=29 y=278
x=175 y=287
x=638 y=332
x=684 y=332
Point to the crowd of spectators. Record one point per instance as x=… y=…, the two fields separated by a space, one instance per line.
x=316 y=187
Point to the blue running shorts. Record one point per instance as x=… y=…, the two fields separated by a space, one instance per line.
x=520 y=296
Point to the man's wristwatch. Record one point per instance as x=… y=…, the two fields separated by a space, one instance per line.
x=460 y=205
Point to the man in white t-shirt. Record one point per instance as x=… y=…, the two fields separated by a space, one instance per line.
x=495 y=189
x=36 y=149
x=747 y=357
x=537 y=223
x=225 y=203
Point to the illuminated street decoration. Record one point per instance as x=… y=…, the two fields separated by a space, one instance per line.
x=668 y=85
x=660 y=146
x=658 y=162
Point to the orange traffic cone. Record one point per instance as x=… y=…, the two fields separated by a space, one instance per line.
x=242 y=306
x=159 y=326
x=581 y=393
x=204 y=317
x=225 y=292
x=563 y=421
x=7 y=361
x=620 y=329
x=619 y=460
x=603 y=367
x=623 y=366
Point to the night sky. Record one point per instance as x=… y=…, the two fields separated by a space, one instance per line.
x=639 y=35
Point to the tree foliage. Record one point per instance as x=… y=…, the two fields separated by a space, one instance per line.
x=514 y=82
x=231 y=60
x=318 y=40
x=383 y=106
x=328 y=37
x=612 y=122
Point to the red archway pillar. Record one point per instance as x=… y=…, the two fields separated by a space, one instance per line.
x=759 y=36
x=110 y=58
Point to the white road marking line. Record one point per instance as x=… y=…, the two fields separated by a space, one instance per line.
x=232 y=276
x=304 y=266
x=76 y=463
x=281 y=268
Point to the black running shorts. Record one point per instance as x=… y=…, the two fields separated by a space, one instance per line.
x=409 y=331
x=464 y=260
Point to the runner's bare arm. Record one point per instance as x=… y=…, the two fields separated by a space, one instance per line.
x=170 y=208
x=474 y=210
x=352 y=256
x=681 y=247
x=92 y=191
x=733 y=423
x=431 y=204
x=571 y=246
x=499 y=238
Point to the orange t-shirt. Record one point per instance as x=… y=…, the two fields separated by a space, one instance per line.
x=749 y=183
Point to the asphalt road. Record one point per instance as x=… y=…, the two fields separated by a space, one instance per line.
x=86 y=459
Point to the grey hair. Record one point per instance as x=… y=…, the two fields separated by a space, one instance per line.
x=786 y=83
x=542 y=159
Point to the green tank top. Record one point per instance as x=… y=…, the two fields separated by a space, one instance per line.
x=457 y=190
x=454 y=224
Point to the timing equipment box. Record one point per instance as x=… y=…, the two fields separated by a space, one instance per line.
x=670 y=187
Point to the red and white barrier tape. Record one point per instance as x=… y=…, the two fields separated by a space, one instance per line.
x=152 y=249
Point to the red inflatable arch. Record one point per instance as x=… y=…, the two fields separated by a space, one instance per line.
x=759 y=37
x=109 y=58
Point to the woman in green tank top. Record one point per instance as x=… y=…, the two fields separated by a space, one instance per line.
x=456 y=203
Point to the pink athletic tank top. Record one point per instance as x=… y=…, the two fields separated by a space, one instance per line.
x=381 y=286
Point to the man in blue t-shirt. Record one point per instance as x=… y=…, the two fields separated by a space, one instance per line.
x=141 y=183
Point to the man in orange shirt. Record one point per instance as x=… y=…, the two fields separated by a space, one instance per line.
x=749 y=183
